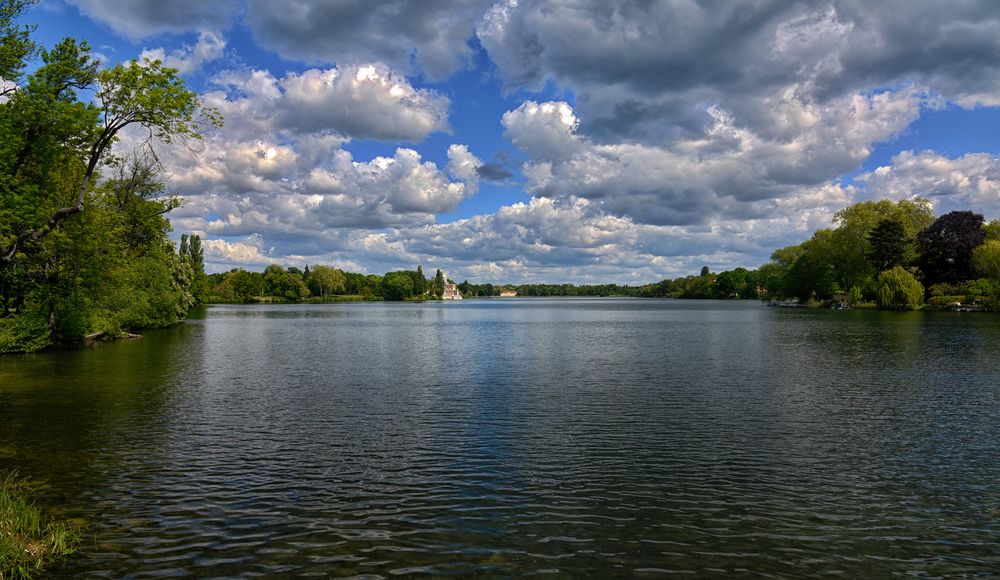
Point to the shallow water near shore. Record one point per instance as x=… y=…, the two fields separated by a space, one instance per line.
x=602 y=437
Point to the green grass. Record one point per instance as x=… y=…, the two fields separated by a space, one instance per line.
x=29 y=543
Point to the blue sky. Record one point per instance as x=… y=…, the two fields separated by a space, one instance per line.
x=558 y=141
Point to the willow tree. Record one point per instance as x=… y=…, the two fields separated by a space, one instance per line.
x=898 y=289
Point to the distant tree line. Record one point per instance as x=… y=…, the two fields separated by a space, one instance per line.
x=318 y=283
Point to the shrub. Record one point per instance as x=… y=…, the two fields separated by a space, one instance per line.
x=27 y=332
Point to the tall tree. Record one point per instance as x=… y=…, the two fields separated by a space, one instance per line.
x=439 y=283
x=887 y=245
x=419 y=281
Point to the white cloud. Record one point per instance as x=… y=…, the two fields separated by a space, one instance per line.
x=722 y=173
x=222 y=255
x=209 y=47
x=969 y=181
x=365 y=102
x=462 y=164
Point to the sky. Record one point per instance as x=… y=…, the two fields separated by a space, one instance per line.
x=580 y=141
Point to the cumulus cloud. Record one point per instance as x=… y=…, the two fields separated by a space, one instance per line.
x=360 y=102
x=242 y=253
x=209 y=47
x=722 y=173
x=261 y=187
x=644 y=69
x=972 y=180
x=365 y=102
x=278 y=167
x=698 y=134
x=462 y=164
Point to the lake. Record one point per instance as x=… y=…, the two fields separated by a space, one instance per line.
x=601 y=437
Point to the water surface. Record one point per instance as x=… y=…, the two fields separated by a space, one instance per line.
x=607 y=437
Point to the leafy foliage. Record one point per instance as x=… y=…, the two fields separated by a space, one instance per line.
x=986 y=259
x=110 y=268
x=946 y=246
x=899 y=290
x=888 y=245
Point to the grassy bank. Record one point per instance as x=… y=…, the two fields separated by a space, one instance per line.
x=29 y=542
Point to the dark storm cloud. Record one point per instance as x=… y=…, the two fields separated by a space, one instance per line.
x=493 y=172
x=434 y=33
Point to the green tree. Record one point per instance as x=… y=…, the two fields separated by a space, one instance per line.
x=16 y=45
x=419 y=282
x=284 y=284
x=397 y=286
x=888 y=245
x=46 y=114
x=986 y=259
x=439 y=283
x=850 y=243
x=898 y=289
x=733 y=284
x=814 y=273
x=325 y=280
x=992 y=230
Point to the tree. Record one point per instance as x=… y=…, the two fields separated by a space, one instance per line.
x=16 y=45
x=850 y=243
x=986 y=259
x=814 y=273
x=946 y=246
x=899 y=290
x=397 y=286
x=439 y=283
x=145 y=95
x=419 y=282
x=284 y=284
x=733 y=284
x=992 y=230
x=324 y=280
x=887 y=245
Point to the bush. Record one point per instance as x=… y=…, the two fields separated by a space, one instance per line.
x=27 y=332
x=898 y=289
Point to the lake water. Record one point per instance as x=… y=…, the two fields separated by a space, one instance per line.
x=601 y=437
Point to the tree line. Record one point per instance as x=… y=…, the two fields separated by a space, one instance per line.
x=318 y=283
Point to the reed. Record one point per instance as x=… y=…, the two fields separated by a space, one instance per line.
x=29 y=542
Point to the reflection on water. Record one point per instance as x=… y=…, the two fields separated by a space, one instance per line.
x=610 y=437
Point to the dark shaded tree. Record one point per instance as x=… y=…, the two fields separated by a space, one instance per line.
x=946 y=247
x=887 y=245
